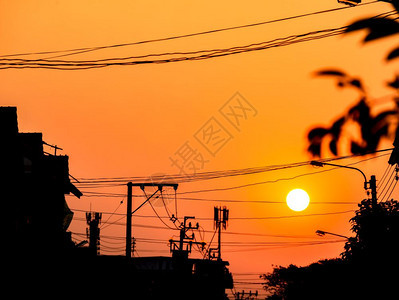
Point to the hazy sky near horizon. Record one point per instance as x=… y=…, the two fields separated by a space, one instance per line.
x=124 y=121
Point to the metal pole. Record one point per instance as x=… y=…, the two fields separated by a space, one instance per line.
x=373 y=187
x=129 y=221
x=220 y=237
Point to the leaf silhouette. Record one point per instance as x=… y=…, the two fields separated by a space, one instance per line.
x=360 y=112
x=317 y=133
x=356 y=148
x=394 y=83
x=378 y=28
x=394 y=158
x=315 y=137
x=333 y=146
x=337 y=127
x=393 y=54
x=384 y=117
x=330 y=73
x=315 y=149
x=372 y=128
x=356 y=83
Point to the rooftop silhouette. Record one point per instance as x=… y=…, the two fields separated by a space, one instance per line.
x=43 y=257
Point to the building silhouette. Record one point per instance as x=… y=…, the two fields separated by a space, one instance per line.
x=41 y=255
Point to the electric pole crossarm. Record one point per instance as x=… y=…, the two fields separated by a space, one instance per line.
x=129 y=211
x=159 y=185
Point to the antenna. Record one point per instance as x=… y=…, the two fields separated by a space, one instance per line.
x=220 y=220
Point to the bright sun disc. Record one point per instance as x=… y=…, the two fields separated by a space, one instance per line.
x=298 y=200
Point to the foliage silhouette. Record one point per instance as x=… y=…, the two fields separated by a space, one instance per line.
x=370 y=261
x=377 y=230
x=373 y=128
x=368 y=266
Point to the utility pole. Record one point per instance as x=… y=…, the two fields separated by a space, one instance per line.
x=129 y=212
x=177 y=247
x=129 y=221
x=373 y=188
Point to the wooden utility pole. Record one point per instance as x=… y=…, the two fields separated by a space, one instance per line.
x=129 y=221
x=177 y=247
x=129 y=211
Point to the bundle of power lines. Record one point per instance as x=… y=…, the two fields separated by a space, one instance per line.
x=15 y=61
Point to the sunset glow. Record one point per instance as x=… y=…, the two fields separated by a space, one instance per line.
x=217 y=97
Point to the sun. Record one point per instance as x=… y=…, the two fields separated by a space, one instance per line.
x=298 y=200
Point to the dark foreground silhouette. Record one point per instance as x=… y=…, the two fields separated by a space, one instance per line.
x=40 y=258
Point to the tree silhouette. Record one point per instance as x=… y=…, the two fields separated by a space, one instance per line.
x=377 y=231
x=368 y=265
x=373 y=128
x=325 y=279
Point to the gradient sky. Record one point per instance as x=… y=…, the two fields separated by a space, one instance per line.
x=130 y=120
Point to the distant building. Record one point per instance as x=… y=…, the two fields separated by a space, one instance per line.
x=40 y=254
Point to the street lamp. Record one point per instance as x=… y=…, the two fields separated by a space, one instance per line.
x=372 y=184
x=323 y=233
x=322 y=164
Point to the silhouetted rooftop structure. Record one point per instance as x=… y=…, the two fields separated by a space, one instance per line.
x=41 y=254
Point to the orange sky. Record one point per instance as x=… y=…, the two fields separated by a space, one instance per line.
x=129 y=120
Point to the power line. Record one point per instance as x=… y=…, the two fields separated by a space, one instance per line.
x=236 y=219
x=233 y=244
x=193 y=55
x=392 y=185
x=91 y=49
x=286 y=246
x=384 y=177
x=117 y=222
x=183 y=56
x=256 y=183
x=177 y=178
x=276 y=180
x=106 y=221
x=388 y=184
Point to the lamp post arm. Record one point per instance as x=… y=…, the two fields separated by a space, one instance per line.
x=322 y=233
x=321 y=164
